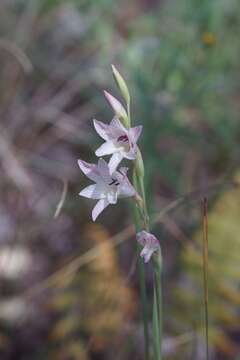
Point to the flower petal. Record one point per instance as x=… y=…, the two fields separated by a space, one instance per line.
x=116 y=129
x=98 y=208
x=90 y=170
x=117 y=124
x=103 y=169
x=114 y=161
x=106 y=148
x=112 y=197
x=126 y=189
x=91 y=192
x=123 y=171
x=101 y=128
x=142 y=237
x=135 y=132
x=146 y=254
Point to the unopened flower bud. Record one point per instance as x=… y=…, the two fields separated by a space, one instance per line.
x=118 y=109
x=121 y=84
x=139 y=165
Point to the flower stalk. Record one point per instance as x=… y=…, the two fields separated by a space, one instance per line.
x=154 y=252
x=138 y=180
x=157 y=266
x=111 y=183
x=139 y=218
x=149 y=242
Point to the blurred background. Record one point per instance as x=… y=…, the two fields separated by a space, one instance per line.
x=69 y=288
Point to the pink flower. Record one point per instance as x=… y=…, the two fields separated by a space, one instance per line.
x=108 y=186
x=119 y=141
x=150 y=244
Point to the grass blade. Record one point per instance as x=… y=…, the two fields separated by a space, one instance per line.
x=205 y=270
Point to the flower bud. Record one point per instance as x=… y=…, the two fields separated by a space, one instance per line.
x=139 y=165
x=118 y=108
x=121 y=84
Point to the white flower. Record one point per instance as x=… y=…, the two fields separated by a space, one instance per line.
x=119 y=141
x=108 y=186
x=150 y=244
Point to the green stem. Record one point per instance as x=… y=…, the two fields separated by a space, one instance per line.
x=145 y=212
x=156 y=334
x=143 y=292
x=142 y=279
x=129 y=113
x=157 y=265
